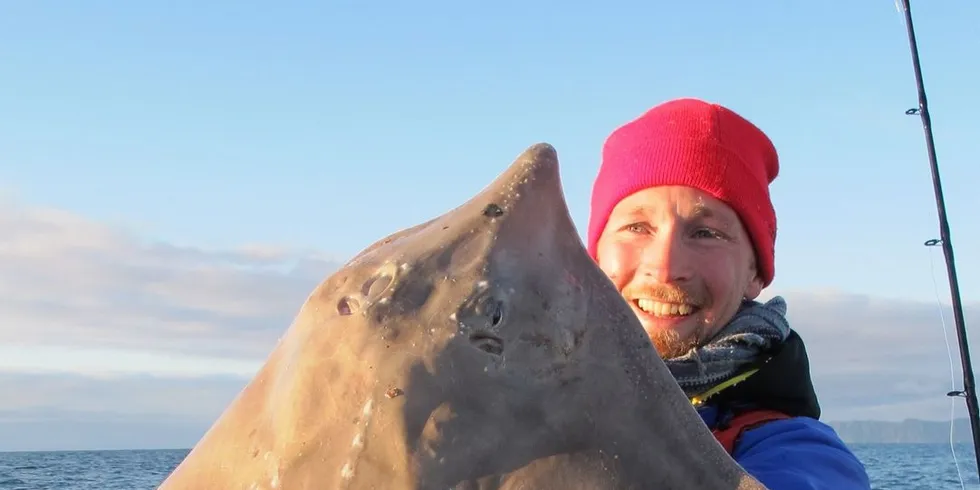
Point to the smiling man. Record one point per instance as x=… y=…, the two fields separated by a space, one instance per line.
x=682 y=223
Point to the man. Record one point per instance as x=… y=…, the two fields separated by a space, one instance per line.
x=682 y=223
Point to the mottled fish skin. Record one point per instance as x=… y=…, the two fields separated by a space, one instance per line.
x=483 y=349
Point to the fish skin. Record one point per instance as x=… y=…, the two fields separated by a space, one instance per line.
x=482 y=349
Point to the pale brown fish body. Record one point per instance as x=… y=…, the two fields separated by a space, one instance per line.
x=483 y=349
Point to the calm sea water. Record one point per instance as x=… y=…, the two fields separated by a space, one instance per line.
x=892 y=467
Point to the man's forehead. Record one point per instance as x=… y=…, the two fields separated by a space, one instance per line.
x=675 y=200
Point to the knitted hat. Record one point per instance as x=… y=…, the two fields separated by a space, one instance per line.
x=698 y=144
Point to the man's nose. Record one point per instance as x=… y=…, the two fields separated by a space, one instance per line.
x=665 y=259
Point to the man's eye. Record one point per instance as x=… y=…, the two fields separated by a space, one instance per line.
x=708 y=233
x=635 y=228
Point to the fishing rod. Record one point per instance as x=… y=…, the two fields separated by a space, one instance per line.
x=969 y=391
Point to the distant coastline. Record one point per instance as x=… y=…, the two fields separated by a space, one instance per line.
x=909 y=431
x=113 y=432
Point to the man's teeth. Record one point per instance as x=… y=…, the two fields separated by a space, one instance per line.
x=657 y=308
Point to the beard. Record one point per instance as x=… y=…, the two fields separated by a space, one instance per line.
x=670 y=345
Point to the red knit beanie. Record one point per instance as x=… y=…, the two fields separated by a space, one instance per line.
x=697 y=144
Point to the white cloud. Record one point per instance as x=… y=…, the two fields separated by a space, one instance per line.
x=100 y=362
x=102 y=329
x=70 y=282
x=876 y=358
x=66 y=412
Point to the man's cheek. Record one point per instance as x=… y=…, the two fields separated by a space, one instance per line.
x=613 y=268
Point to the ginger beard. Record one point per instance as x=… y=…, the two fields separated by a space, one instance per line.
x=673 y=319
x=670 y=345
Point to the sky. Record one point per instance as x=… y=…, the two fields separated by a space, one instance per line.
x=176 y=178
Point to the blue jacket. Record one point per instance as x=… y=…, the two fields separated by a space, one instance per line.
x=800 y=453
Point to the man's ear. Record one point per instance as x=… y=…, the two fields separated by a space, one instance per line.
x=754 y=287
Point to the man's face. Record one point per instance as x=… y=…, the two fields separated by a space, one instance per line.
x=683 y=261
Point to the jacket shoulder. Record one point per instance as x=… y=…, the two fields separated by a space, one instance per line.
x=800 y=453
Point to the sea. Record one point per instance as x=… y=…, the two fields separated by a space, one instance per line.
x=891 y=467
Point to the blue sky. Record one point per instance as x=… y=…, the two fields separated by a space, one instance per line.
x=236 y=122
x=300 y=133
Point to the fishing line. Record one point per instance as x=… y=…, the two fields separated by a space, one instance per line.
x=969 y=383
x=952 y=376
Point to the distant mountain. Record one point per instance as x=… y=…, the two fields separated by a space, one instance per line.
x=79 y=430
x=906 y=431
x=69 y=429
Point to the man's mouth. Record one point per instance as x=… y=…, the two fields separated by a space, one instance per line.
x=661 y=309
